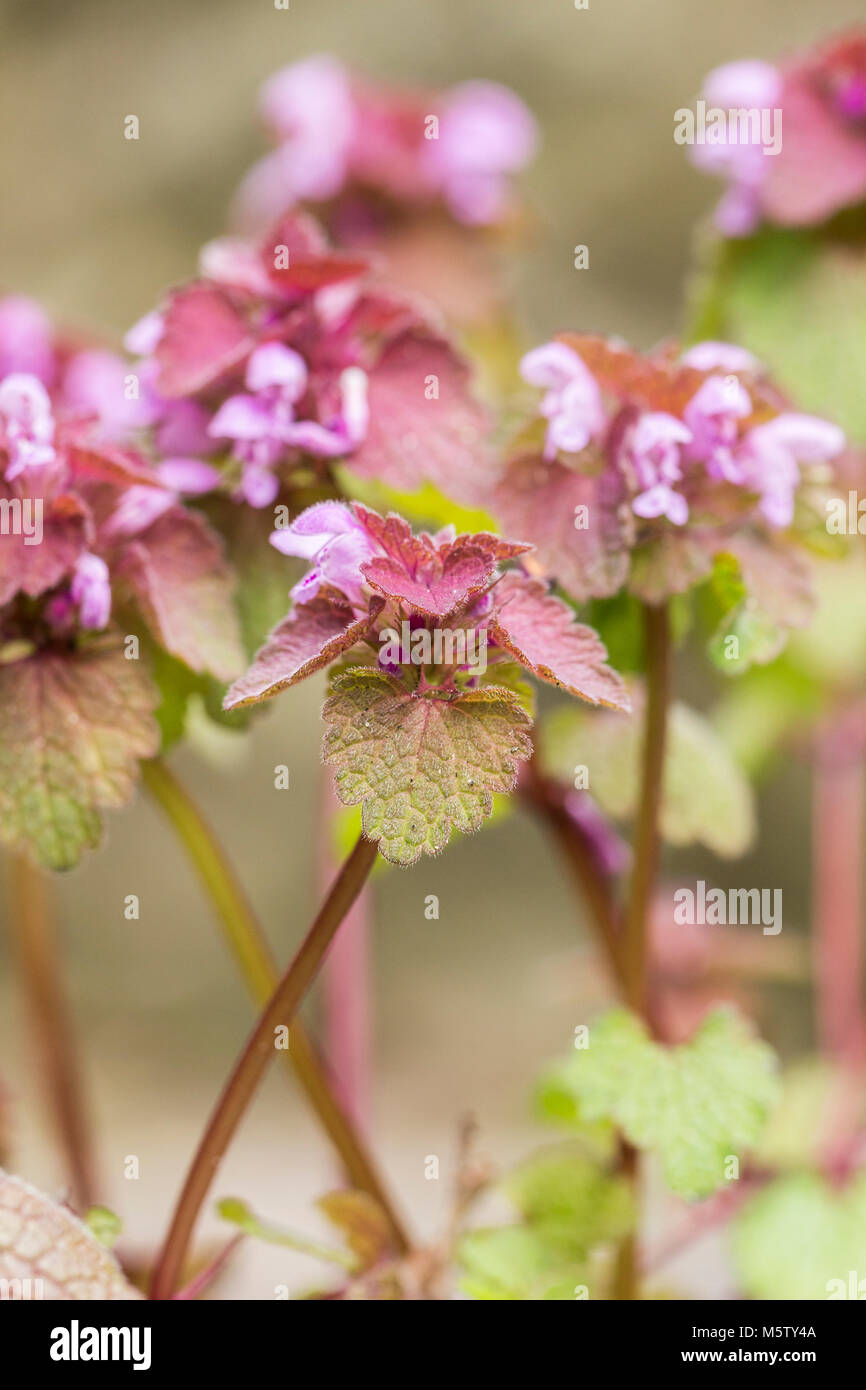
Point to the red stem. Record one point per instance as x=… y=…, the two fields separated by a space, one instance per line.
x=252 y=1063
x=837 y=890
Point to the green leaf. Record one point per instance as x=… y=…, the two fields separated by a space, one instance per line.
x=74 y=726
x=236 y=1211
x=104 y=1224
x=427 y=506
x=706 y=797
x=813 y=1095
x=797 y=299
x=420 y=766
x=799 y=1235
x=506 y=1263
x=695 y=1106
x=571 y=1201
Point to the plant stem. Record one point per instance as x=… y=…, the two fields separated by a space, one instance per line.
x=250 y=949
x=646 y=839
x=37 y=950
x=837 y=889
x=643 y=881
x=346 y=986
x=253 y=1061
x=547 y=801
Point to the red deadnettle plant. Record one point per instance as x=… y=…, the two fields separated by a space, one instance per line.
x=424 y=179
x=425 y=722
x=658 y=490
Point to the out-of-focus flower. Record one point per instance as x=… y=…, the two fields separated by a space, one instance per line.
x=664 y=464
x=820 y=165
x=283 y=354
x=349 y=144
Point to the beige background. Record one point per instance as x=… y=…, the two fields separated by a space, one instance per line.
x=96 y=226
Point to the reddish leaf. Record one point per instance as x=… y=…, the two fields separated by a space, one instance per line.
x=73 y=726
x=307 y=640
x=445 y=586
x=539 y=502
x=415 y=438
x=669 y=564
x=32 y=569
x=821 y=166
x=179 y=576
x=541 y=632
x=204 y=337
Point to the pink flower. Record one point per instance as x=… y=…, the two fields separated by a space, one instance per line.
x=263 y=424
x=91 y=590
x=330 y=536
x=485 y=134
x=26 y=423
x=652 y=448
x=343 y=137
x=26 y=339
x=98 y=382
x=572 y=403
x=709 y=356
x=769 y=457
x=750 y=86
x=712 y=416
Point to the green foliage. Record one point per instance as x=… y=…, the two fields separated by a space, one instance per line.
x=798 y=1235
x=572 y=1214
x=75 y=726
x=695 y=1106
x=420 y=767
x=706 y=797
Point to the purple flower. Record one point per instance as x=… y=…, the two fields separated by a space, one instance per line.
x=97 y=383
x=26 y=423
x=726 y=357
x=712 y=416
x=263 y=425
x=572 y=403
x=91 y=590
x=485 y=134
x=750 y=86
x=26 y=339
x=652 y=449
x=309 y=106
x=769 y=457
x=337 y=545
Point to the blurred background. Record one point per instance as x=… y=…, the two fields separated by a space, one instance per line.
x=468 y=1007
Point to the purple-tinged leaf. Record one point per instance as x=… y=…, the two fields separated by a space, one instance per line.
x=311 y=637
x=541 y=632
x=179 y=576
x=72 y=729
x=420 y=767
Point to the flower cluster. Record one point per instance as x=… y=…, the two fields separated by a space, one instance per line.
x=819 y=166
x=82 y=511
x=91 y=539
x=639 y=450
x=359 y=152
x=419 y=733
x=282 y=354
